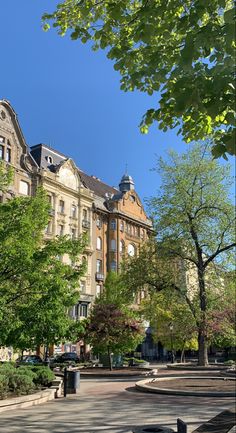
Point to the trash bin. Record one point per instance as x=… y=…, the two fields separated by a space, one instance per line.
x=73 y=382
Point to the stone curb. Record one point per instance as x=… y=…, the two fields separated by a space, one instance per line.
x=27 y=400
x=213 y=367
x=142 y=385
x=95 y=375
x=33 y=399
x=138 y=372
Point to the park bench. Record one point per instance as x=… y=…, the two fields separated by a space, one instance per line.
x=221 y=423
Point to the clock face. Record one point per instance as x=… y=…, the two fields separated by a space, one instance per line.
x=68 y=178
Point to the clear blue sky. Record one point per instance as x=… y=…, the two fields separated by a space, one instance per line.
x=68 y=97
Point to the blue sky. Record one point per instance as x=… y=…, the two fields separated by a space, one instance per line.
x=68 y=97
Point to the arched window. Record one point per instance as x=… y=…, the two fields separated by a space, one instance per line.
x=122 y=247
x=131 y=250
x=99 y=243
x=49 y=159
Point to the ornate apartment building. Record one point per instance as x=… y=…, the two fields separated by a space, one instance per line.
x=114 y=219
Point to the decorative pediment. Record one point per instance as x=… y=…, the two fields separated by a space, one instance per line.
x=67 y=174
x=9 y=123
x=13 y=139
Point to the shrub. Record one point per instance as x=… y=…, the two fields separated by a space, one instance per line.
x=43 y=376
x=230 y=362
x=6 y=367
x=26 y=371
x=21 y=383
x=8 y=371
x=4 y=386
x=134 y=361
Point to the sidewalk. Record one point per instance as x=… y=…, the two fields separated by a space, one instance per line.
x=111 y=406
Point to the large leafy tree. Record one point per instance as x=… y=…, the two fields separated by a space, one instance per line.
x=113 y=325
x=182 y=49
x=171 y=320
x=111 y=330
x=115 y=292
x=195 y=221
x=37 y=288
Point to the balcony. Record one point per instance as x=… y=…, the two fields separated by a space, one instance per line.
x=99 y=276
x=86 y=224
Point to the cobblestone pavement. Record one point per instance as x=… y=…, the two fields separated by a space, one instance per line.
x=111 y=406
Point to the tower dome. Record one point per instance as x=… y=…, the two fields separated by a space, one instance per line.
x=126 y=183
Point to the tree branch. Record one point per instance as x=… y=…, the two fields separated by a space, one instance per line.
x=218 y=251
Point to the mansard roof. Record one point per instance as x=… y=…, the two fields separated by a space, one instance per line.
x=41 y=151
x=100 y=188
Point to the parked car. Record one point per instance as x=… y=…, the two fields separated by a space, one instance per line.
x=29 y=359
x=66 y=357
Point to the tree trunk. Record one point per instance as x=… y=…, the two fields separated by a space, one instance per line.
x=182 y=357
x=202 y=328
x=202 y=334
x=202 y=348
x=202 y=331
x=110 y=358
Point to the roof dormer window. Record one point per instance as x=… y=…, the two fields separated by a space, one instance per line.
x=49 y=159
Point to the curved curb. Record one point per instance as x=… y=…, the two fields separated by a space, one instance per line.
x=27 y=400
x=88 y=374
x=213 y=367
x=126 y=374
x=142 y=385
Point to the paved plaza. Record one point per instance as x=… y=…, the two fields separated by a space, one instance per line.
x=111 y=406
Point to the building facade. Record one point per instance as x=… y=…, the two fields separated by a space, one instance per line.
x=113 y=218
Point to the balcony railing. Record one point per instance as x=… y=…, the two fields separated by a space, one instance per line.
x=86 y=224
x=99 y=276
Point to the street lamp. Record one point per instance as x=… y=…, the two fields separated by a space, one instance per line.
x=171 y=342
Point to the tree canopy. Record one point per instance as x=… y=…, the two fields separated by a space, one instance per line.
x=184 y=50
x=194 y=220
x=112 y=325
x=37 y=288
x=109 y=329
x=165 y=308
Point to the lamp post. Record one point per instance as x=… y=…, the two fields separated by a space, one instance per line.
x=171 y=342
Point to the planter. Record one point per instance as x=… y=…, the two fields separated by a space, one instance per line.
x=143 y=365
